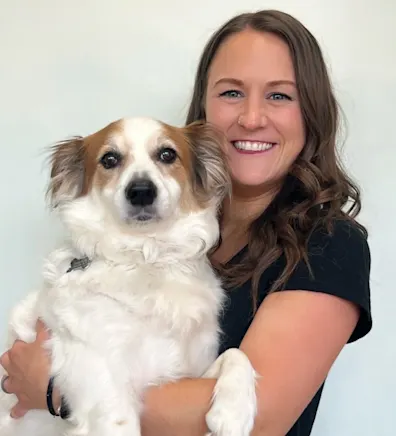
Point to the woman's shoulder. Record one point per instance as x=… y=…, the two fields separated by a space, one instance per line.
x=338 y=262
x=344 y=243
x=341 y=234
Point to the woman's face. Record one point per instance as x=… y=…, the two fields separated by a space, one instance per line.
x=251 y=95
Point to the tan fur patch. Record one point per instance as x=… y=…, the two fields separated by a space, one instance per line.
x=96 y=145
x=204 y=172
x=183 y=167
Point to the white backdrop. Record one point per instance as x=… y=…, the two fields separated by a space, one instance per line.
x=70 y=67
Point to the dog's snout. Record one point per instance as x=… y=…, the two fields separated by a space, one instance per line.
x=141 y=192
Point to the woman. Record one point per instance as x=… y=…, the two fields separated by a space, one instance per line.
x=296 y=263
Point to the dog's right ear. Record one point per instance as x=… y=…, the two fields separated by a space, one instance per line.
x=211 y=175
x=66 y=161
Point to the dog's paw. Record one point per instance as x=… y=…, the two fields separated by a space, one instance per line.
x=234 y=401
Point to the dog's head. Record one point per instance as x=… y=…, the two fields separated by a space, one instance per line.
x=142 y=171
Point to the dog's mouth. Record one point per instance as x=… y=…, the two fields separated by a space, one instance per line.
x=141 y=215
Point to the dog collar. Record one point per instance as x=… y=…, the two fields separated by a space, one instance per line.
x=78 y=264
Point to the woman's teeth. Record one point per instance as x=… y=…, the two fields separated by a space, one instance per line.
x=253 y=146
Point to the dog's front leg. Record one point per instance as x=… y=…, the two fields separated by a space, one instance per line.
x=97 y=393
x=234 y=403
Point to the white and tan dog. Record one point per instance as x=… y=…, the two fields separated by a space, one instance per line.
x=130 y=298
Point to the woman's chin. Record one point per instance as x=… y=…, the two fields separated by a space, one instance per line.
x=244 y=186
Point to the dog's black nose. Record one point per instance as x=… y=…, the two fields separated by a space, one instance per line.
x=141 y=192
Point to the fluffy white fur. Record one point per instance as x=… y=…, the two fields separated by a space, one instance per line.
x=144 y=312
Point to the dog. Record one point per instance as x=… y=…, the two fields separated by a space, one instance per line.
x=130 y=297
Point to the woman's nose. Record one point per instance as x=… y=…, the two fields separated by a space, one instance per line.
x=253 y=115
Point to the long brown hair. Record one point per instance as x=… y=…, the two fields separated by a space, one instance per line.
x=317 y=189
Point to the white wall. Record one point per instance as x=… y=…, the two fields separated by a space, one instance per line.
x=69 y=67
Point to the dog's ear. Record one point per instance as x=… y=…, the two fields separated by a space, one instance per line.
x=211 y=177
x=66 y=162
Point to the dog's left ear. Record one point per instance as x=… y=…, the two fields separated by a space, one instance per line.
x=211 y=178
x=66 y=161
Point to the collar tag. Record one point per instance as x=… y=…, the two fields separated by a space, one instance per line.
x=78 y=264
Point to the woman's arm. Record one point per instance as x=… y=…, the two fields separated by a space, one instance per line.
x=292 y=343
x=177 y=408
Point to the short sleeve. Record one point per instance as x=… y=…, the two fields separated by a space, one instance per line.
x=340 y=265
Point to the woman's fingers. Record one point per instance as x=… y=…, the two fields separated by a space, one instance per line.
x=18 y=411
x=4 y=384
x=41 y=330
x=5 y=360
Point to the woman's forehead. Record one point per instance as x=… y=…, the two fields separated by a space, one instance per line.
x=251 y=54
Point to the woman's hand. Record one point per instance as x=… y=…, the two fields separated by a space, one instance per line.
x=27 y=365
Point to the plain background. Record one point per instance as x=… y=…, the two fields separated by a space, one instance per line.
x=70 y=67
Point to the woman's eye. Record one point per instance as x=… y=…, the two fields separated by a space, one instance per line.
x=232 y=93
x=110 y=160
x=279 y=96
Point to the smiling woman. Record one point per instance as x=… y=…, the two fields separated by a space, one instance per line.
x=294 y=298
x=254 y=99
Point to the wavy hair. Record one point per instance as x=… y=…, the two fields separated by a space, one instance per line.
x=317 y=190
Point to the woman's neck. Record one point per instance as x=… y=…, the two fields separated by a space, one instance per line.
x=245 y=205
x=238 y=212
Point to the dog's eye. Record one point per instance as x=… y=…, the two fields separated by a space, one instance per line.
x=167 y=155
x=110 y=160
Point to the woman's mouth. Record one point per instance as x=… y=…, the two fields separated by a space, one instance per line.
x=252 y=146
